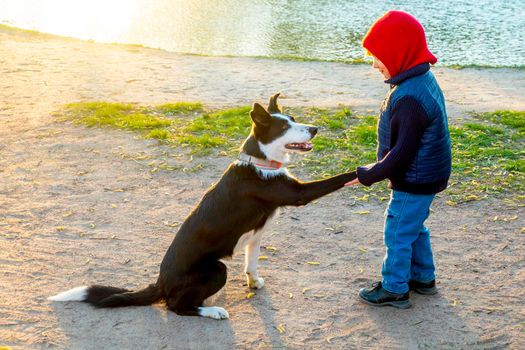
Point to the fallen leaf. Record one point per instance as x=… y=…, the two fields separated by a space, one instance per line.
x=306 y=290
x=364 y=198
x=270 y=248
x=67 y=214
x=263 y=257
x=313 y=262
x=364 y=212
x=290 y=295
x=60 y=228
x=281 y=328
x=250 y=295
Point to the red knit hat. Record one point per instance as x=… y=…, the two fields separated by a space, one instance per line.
x=398 y=40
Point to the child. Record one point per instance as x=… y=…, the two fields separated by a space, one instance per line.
x=413 y=153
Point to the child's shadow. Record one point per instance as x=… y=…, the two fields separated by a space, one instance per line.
x=432 y=322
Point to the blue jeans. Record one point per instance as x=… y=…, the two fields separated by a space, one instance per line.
x=407 y=240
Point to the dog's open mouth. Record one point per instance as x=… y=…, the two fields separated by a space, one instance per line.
x=304 y=147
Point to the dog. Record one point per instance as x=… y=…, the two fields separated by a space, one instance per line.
x=230 y=217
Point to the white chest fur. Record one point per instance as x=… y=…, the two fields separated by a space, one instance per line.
x=251 y=237
x=244 y=241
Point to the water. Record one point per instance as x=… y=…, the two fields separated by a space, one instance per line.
x=480 y=32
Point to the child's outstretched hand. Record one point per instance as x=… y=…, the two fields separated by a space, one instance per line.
x=353 y=182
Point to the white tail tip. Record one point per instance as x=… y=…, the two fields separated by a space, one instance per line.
x=75 y=294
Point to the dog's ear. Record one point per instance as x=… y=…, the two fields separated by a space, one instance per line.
x=273 y=107
x=259 y=115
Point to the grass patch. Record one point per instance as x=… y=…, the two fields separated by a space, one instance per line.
x=488 y=155
x=180 y=108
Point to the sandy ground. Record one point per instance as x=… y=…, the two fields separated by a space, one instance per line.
x=81 y=206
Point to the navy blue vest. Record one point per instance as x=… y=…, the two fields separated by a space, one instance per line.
x=432 y=163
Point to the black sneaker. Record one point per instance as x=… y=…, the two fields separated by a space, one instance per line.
x=378 y=296
x=428 y=288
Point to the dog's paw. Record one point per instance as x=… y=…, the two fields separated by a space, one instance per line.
x=256 y=283
x=215 y=312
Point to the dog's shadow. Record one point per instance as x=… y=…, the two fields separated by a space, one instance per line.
x=267 y=312
x=152 y=327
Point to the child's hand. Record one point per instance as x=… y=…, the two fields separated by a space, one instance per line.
x=353 y=182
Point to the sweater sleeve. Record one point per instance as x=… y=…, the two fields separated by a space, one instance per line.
x=408 y=123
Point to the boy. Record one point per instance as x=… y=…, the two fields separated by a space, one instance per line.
x=413 y=153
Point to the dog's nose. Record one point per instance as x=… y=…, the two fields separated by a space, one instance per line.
x=312 y=130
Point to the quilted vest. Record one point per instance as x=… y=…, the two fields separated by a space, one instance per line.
x=432 y=162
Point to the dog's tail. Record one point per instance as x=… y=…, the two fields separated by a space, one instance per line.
x=103 y=296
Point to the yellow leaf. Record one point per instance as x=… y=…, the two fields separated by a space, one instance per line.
x=290 y=295
x=364 y=212
x=60 y=228
x=453 y=302
x=306 y=290
x=67 y=214
x=495 y=218
x=364 y=250
x=313 y=262
x=119 y=190
x=92 y=225
x=281 y=328
x=263 y=257
x=364 y=198
x=270 y=248
x=250 y=295
x=114 y=206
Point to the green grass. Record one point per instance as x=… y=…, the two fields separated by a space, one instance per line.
x=488 y=154
x=180 y=108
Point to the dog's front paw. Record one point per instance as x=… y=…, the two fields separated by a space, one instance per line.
x=255 y=283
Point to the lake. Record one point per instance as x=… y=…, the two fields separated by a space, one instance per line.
x=482 y=32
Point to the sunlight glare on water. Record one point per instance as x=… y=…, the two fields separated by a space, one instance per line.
x=482 y=32
x=99 y=20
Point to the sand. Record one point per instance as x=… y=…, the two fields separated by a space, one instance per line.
x=81 y=206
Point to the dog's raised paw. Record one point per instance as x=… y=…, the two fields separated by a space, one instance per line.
x=215 y=312
x=256 y=283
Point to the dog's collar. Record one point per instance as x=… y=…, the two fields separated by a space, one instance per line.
x=260 y=163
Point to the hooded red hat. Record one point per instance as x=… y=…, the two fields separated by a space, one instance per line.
x=398 y=40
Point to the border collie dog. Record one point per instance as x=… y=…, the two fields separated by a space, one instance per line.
x=230 y=217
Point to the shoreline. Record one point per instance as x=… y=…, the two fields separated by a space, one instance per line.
x=289 y=57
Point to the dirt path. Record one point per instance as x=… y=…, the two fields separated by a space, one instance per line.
x=81 y=206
